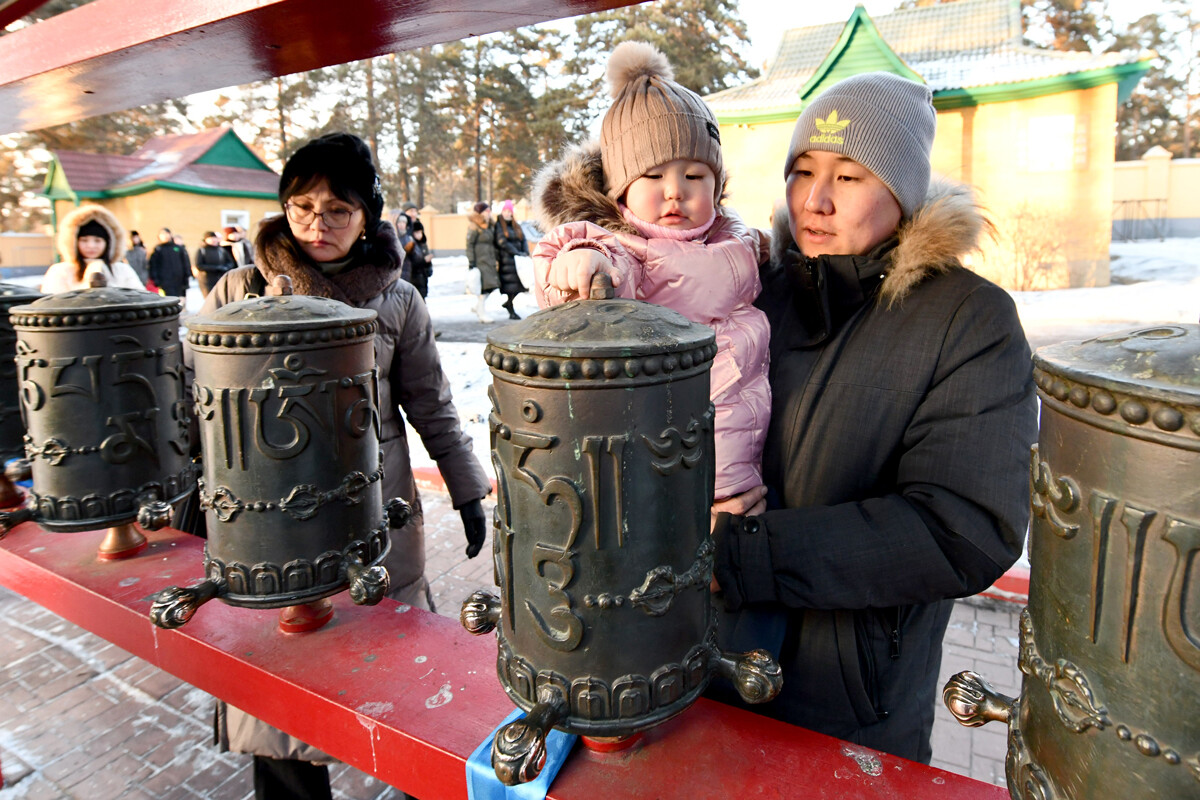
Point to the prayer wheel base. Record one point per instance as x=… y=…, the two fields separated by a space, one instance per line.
x=121 y=541
x=306 y=617
x=610 y=744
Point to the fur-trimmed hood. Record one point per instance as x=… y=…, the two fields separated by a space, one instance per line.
x=947 y=226
x=572 y=189
x=68 y=232
x=376 y=265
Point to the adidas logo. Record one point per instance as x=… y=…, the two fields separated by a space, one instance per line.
x=829 y=129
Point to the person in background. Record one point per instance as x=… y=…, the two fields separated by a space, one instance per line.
x=90 y=239
x=406 y=244
x=510 y=243
x=422 y=261
x=231 y=242
x=331 y=242
x=481 y=254
x=212 y=261
x=246 y=246
x=135 y=256
x=170 y=267
x=896 y=462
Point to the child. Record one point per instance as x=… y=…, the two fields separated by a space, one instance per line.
x=90 y=239
x=643 y=205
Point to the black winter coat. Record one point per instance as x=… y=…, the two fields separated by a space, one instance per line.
x=510 y=243
x=896 y=460
x=171 y=269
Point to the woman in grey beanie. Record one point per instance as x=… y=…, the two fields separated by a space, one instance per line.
x=902 y=416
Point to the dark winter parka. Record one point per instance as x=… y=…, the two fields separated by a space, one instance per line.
x=903 y=413
x=170 y=268
x=481 y=250
x=510 y=243
x=212 y=261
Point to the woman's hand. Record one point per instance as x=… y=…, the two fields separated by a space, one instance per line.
x=571 y=272
x=747 y=504
x=474 y=526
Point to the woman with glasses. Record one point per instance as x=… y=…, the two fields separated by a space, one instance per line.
x=331 y=242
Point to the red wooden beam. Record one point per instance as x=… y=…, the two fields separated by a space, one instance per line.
x=407 y=695
x=110 y=55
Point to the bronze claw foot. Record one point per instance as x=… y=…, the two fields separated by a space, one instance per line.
x=519 y=749
x=368 y=585
x=480 y=613
x=11 y=519
x=398 y=513
x=974 y=702
x=175 y=605
x=756 y=675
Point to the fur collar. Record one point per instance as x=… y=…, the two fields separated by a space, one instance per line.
x=377 y=262
x=68 y=233
x=572 y=190
x=947 y=226
x=478 y=220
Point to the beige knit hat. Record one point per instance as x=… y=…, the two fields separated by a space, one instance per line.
x=653 y=120
x=882 y=121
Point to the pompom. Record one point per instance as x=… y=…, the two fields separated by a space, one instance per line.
x=633 y=60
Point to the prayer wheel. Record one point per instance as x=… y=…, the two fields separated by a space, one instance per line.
x=286 y=395
x=101 y=391
x=602 y=443
x=1110 y=640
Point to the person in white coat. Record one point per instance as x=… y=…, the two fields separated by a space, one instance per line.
x=90 y=239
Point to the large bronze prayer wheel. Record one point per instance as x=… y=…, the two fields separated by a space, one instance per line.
x=101 y=388
x=1110 y=641
x=602 y=443
x=287 y=399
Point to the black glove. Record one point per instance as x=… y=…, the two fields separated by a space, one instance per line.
x=474 y=525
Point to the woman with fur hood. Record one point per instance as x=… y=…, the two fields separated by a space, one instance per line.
x=331 y=242
x=481 y=254
x=903 y=412
x=644 y=205
x=90 y=239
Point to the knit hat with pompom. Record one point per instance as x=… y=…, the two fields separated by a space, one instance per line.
x=653 y=120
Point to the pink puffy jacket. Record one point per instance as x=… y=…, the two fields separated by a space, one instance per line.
x=713 y=281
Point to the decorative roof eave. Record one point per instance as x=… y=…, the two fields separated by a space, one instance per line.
x=1125 y=76
x=859 y=21
x=142 y=188
x=55 y=175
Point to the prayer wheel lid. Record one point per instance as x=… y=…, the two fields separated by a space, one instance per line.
x=95 y=305
x=1163 y=360
x=602 y=327
x=280 y=313
x=14 y=293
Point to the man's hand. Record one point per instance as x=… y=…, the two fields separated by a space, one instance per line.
x=571 y=272
x=474 y=525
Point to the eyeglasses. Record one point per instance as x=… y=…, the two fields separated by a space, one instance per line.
x=333 y=218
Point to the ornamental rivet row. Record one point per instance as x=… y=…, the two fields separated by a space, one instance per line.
x=93 y=318
x=1132 y=410
x=594 y=368
x=278 y=338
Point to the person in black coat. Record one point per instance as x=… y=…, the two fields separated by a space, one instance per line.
x=212 y=261
x=419 y=256
x=170 y=267
x=510 y=243
x=903 y=411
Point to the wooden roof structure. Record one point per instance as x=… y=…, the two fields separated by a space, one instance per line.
x=969 y=53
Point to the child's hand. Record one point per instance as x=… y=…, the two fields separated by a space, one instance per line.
x=571 y=272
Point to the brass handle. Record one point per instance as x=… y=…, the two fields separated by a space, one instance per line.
x=175 y=605
x=480 y=612
x=368 y=585
x=602 y=286
x=974 y=702
x=153 y=515
x=756 y=675
x=519 y=749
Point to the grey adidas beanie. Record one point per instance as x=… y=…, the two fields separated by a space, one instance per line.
x=882 y=121
x=653 y=120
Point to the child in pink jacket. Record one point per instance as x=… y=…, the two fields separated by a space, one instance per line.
x=643 y=205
